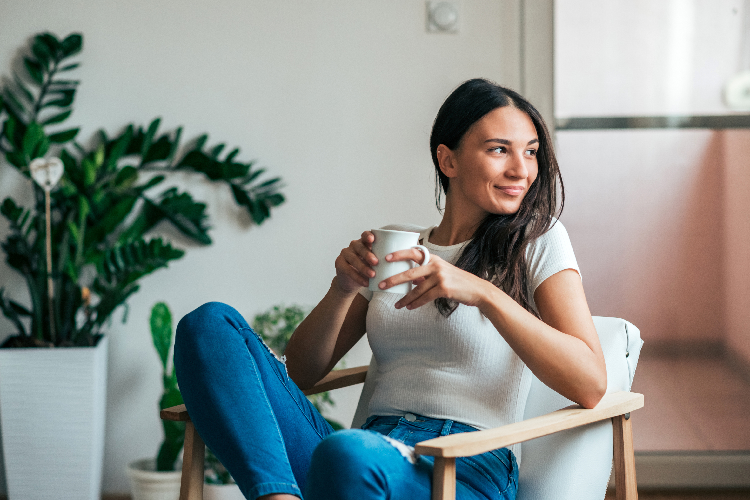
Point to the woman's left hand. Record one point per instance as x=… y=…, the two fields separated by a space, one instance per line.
x=436 y=279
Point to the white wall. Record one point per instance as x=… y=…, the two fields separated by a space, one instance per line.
x=335 y=96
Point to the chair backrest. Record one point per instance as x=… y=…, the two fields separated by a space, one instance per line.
x=573 y=464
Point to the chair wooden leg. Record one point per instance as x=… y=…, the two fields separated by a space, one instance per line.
x=625 y=483
x=444 y=479
x=191 y=485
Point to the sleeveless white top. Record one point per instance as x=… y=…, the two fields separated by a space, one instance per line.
x=458 y=368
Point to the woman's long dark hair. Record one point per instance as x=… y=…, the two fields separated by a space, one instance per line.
x=497 y=251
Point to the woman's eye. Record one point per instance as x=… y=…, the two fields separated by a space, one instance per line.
x=499 y=149
x=531 y=152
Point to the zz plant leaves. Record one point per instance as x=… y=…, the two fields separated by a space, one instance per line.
x=107 y=203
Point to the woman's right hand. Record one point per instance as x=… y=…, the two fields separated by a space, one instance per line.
x=354 y=264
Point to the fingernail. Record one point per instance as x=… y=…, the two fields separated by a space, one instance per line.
x=389 y=256
x=381 y=284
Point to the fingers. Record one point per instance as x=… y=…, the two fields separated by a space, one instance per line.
x=410 y=275
x=363 y=248
x=424 y=293
x=409 y=254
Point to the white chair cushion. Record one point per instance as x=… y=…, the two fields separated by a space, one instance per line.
x=576 y=464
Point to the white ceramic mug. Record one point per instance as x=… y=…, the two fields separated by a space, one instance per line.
x=389 y=241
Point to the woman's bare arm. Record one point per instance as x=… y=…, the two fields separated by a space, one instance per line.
x=563 y=349
x=338 y=321
x=326 y=334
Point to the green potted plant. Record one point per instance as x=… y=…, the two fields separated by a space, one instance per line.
x=82 y=247
x=159 y=478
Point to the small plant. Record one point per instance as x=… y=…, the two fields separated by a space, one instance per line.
x=174 y=432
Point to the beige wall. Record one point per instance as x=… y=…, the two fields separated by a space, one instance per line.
x=736 y=147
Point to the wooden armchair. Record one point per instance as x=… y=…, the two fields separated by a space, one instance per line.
x=615 y=405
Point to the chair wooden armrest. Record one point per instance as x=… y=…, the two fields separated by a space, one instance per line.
x=616 y=406
x=338 y=379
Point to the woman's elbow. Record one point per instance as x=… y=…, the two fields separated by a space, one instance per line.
x=595 y=392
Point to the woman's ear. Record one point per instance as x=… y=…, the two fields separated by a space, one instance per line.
x=446 y=161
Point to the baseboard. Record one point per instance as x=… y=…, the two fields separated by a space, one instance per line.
x=738 y=364
x=692 y=470
x=679 y=348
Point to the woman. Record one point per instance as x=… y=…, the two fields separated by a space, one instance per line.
x=500 y=295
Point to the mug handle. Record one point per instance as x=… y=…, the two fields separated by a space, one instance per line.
x=425 y=252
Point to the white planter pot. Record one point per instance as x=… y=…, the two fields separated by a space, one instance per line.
x=148 y=484
x=52 y=403
x=222 y=492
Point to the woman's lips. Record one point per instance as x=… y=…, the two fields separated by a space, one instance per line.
x=511 y=190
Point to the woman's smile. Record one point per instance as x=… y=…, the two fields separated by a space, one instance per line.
x=512 y=190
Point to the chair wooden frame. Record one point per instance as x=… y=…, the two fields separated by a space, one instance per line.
x=446 y=449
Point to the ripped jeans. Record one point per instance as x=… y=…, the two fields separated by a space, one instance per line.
x=272 y=440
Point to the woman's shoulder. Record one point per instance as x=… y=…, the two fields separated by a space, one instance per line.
x=550 y=253
x=556 y=234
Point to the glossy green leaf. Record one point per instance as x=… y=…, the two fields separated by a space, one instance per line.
x=175 y=144
x=150 y=133
x=41 y=51
x=31 y=139
x=161 y=331
x=64 y=136
x=24 y=90
x=230 y=157
x=69 y=67
x=72 y=44
x=35 y=70
x=89 y=171
x=63 y=98
x=58 y=118
x=159 y=150
x=216 y=151
x=50 y=41
x=200 y=142
x=185 y=214
x=126 y=177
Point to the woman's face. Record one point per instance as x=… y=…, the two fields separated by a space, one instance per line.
x=494 y=165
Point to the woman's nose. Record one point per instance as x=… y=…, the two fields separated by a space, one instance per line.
x=518 y=169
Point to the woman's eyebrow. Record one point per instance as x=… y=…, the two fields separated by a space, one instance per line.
x=508 y=143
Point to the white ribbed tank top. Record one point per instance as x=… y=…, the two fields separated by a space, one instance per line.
x=458 y=368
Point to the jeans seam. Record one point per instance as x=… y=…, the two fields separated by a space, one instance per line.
x=482 y=472
x=275 y=423
x=283 y=383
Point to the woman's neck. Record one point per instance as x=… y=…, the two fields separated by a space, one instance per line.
x=456 y=227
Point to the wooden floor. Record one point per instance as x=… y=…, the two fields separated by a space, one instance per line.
x=688 y=495
x=642 y=495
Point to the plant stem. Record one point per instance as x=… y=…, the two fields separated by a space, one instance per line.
x=43 y=91
x=50 y=284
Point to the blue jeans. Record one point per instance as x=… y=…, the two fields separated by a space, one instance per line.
x=263 y=429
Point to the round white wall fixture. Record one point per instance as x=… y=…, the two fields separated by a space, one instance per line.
x=737 y=92
x=442 y=17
